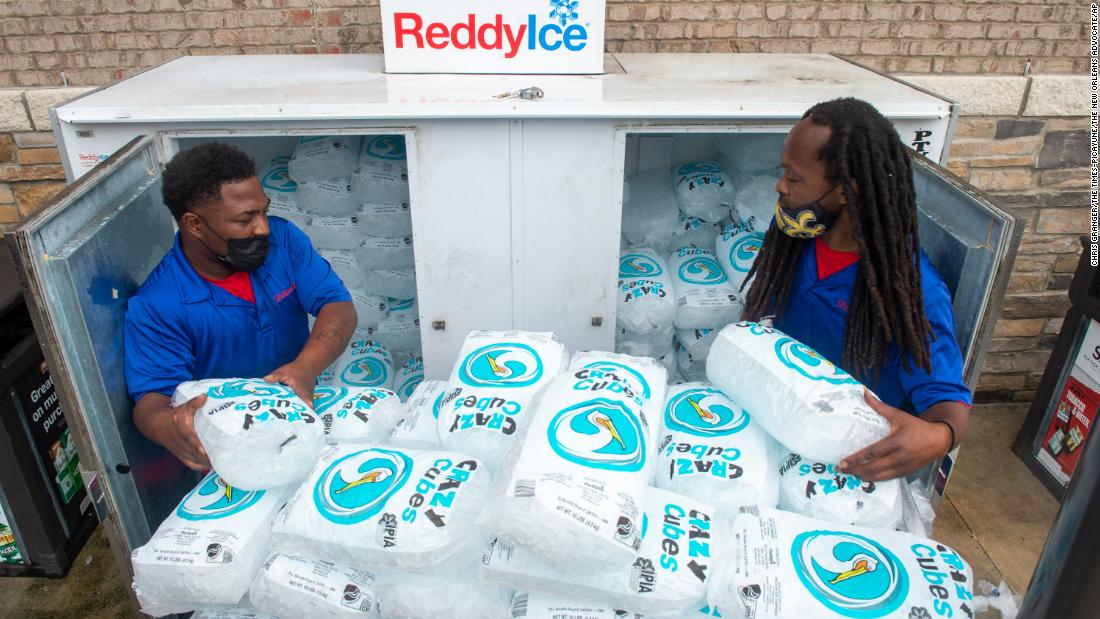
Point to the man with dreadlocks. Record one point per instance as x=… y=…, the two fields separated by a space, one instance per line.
x=842 y=271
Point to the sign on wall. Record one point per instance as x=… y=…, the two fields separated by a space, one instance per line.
x=493 y=36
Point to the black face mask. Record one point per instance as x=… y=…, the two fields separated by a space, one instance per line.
x=245 y=254
x=807 y=221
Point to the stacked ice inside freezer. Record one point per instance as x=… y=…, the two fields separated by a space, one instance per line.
x=695 y=210
x=350 y=194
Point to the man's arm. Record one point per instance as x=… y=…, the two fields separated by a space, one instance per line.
x=172 y=428
x=331 y=333
x=912 y=442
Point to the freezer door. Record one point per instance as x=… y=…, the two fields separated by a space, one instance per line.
x=81 y=258
x=972 y=244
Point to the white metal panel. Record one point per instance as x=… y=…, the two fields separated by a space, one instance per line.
x=571 y=208
x=353 y=86
x=461 y=235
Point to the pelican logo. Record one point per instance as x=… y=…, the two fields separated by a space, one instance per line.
x=277 y=178
x=754 y=328
x=357 y=486
x=705 y=412
x=638 y=265
x=390 y=147
x=702 y=270
x=600 y=434
x=325 y=397
x=365 y=371
x=216 y=553
x=406 y=389
x=611 y=369
x=249 y=387
x=501 y=365
x=214 y=498
x=850 y=574
x=400 y=305
x=744 y=249
x=809 y=363
x=699 y=167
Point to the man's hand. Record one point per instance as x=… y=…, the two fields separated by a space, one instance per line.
x=911 y=444
x=300 y=379
x=178 y=435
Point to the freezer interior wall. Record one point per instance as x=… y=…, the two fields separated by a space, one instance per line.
x=361 y=225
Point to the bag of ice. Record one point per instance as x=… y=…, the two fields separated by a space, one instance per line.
x=803 y=401
x=258 y=435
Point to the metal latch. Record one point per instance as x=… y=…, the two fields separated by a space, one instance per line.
x=95 y=495
x=534 y=92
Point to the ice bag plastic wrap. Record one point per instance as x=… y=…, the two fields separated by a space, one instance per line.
x=408 y=377
x=207 y=551
x=399 y=331
x=324 y=157
x=388 y=220
x=330 y=198
x=704 y=297
x=381 y=252
x=692 y=368
x=694 y=231
x=283 y=193
x=300 y=587
x=258 y=435
x=498 y=374
x=646 y=299
x=346 y=266
x=417 y=428
x=713 y=450
x=396 y=283
x=343 y=232
x=357 y=414
x=573 y=494
x=819 y=490
x=736 y=249
x=654 y=343
x=541 y=605
x=666 y=578
x=365 y=363
x=803 y=401
x=703 y=190
x=756 y=197
x=382 y=508
x=696 y=341
x=751 y=153
x=370 y=309
x=382 y=174
x=235 y=612
x=787 y=565
x=444 y=595
x=650 y=213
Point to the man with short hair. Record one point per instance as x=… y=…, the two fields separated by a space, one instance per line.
x=842 y=271
x=230 y=299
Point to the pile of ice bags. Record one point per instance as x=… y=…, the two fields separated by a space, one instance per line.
x=695 y=229
x=617 y=496
x=350 y=195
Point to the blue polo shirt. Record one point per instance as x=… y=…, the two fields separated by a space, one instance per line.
x=180 y=327
x=815 y=315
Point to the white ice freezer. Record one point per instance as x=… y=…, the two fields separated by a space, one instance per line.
x=515 y=203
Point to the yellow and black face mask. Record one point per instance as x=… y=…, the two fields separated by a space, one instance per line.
x=805 y=222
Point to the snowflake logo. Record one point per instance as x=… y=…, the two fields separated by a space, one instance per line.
x=564 y=11
x=919 y=613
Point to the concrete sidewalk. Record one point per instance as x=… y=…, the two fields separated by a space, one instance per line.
x=996 y=514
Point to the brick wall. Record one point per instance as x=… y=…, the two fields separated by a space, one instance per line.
x=1021 y=137
x=54 y=43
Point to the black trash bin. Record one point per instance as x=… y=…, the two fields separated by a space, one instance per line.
x=45 y=514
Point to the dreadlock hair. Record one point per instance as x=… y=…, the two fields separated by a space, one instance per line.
x=887 y=303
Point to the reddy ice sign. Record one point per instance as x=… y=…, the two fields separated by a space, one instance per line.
x=493 y=36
